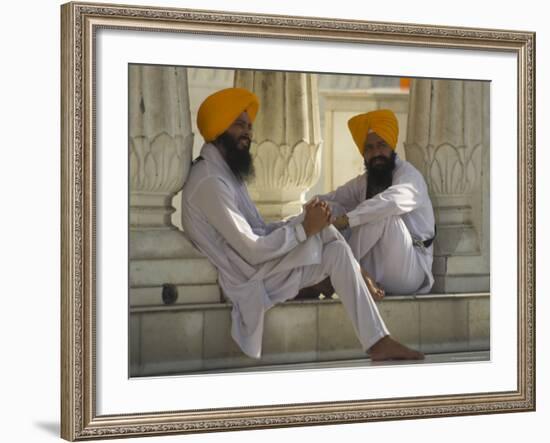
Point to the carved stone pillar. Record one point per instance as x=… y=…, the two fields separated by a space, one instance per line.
x=160 y=145
x=448 y=141
x=286 y=140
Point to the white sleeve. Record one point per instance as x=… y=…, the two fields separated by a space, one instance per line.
x=408 y=194
x=216 y=200
x=295 y=220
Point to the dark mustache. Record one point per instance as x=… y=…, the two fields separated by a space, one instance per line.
x=379 y=157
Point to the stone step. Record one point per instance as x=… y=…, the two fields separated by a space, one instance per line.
x=186 y=294
x=465 y=283
x=176 y=339
x=189 y=271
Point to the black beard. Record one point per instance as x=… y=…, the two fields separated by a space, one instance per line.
x=239 y=160
x=379 y=174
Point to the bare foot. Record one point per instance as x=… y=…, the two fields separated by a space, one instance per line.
x=389 y=349
x=375 y=290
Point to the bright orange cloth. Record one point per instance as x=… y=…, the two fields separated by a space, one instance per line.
x=219 y=110
x=383 y=122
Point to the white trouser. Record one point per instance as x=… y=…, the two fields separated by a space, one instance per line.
x=386 y=251
x=339 y=264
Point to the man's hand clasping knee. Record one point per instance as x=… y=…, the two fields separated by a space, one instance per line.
x=317 y=217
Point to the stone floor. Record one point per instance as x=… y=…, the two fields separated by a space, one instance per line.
x=431 y=359
x=196 y=338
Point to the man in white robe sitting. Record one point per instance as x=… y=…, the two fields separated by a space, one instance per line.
x=386 y=214
x=262 y=264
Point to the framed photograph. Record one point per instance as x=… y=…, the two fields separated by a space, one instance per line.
x=147 y=341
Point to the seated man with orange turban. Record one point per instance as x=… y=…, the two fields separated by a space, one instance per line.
x=262 y=264
x=387 y=217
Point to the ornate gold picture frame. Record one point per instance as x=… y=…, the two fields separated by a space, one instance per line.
x=79 y=396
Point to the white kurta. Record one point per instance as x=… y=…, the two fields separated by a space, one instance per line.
x=383 y=228
x=262 y=264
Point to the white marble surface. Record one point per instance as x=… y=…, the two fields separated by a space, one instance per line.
x=300 y=331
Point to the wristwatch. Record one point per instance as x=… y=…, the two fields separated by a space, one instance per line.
x=341 y=222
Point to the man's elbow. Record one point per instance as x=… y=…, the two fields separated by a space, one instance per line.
x=404 y=207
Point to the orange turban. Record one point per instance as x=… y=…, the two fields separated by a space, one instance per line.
x=383 y=122
x=219 y=110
